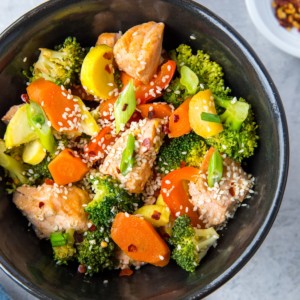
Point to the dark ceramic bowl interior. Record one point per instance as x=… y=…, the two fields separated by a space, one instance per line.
x=28 y=260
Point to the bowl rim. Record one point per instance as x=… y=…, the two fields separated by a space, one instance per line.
x=275 y=100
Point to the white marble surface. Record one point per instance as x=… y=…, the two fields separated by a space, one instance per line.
x=274 y=271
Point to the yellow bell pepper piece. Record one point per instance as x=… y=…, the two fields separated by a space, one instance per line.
x=203 y=101
x=97 y=74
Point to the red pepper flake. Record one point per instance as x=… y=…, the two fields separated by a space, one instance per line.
x=165 y=236
x=146 y=143
x=78 y=237
x=124 y=106
x=49 y=181
x=108 y=136
x=118 y=170
x=150 y=114
x=108 y=69
x=92 y=228
x=126 y=272
x=25 y=98
x=182 y=164
x=156 y=215
x=176 y=118
x=108 y=55
x=132 y=248
x=231 y=191
x=41 y=204
x=163 y=233
x=287 y=13
x=81 y=269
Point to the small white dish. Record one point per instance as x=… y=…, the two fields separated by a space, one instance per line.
x=263 y=17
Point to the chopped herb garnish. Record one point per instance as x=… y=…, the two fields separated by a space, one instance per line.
x=208 y=117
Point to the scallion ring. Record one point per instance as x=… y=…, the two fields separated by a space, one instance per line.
x=208 y=117
x=124 y=106
x=215 y=169
x=58 y=239
x=189 y=79
x=127 y=160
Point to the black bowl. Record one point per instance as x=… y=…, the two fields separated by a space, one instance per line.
x=28 y=260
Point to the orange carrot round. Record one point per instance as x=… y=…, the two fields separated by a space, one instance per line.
x=148 y=92
x=155 y=110
x=139 y=240
x=175 y=195
x=98 y=144
x=57 y=103
x=66 y=168
x=179 y=120
x=106 y=108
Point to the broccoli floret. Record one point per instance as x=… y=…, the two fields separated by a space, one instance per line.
x=109 y=200
x=190 y=244
x=210 y=74
x=237 y=144
x=63 y=246
x=38 y=173
x=176 y=93
x=188 y=149
x=15 y=168
x=96 y=251
x=235 y=113
x=62 y=65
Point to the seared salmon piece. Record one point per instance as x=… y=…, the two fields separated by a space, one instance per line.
x=52 y=208
x=108 y=38
x=148 y=139
x=215 y=205
x=138 y=51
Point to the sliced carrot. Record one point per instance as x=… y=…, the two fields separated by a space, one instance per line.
x=58 y=108
x=139 y=240
x=206 y=159
x=106 y=109
x=179 y=120
x=98 y=144
x=147 y=92
x=155 y=110
x=66 y=168
x=175 y=195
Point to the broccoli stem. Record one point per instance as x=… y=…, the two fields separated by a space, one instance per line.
x=235 y=112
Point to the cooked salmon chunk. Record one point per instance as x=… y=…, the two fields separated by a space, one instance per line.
x=108 y=38
x=216 y=204
x=138 y=51
x=51 y=208
x=148 y=138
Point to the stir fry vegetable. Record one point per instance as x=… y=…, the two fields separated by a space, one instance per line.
x=127 y=154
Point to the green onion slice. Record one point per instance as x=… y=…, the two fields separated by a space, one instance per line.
x=58 y=239
x=205 y=116
x=189 y=79
x=215 y=169
x=38 y=120
x=124 y=106
x=127 y=160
